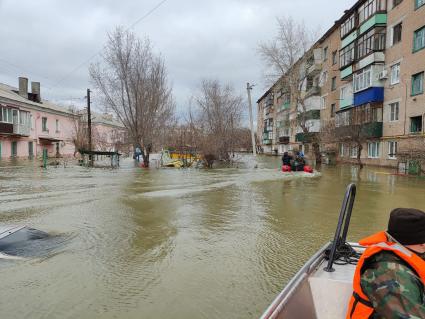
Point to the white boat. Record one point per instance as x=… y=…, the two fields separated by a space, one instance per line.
x=324 y=285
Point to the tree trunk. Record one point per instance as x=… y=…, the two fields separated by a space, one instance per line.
x=359 y=154
x=317 y=154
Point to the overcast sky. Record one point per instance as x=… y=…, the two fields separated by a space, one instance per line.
x=46 y=40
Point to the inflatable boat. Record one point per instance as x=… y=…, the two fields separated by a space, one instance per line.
x=323 y=286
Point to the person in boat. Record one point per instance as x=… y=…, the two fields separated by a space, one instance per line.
x=390 y=275
x=298 y=163
x=286 y=159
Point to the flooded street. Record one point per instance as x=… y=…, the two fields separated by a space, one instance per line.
x=132 y=243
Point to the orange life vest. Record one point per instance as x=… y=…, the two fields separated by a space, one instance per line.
x=360 y=306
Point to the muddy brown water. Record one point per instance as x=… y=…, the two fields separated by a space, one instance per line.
x=177 y=243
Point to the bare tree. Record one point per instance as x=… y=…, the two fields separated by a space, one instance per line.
x=217 y=115
x=133 y=83
x=290 y=63
x=352 y=135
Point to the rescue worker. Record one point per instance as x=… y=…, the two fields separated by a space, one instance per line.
x=390 y=275
x=286 y=159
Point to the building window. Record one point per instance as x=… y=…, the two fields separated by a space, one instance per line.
x=392 y=150
x=394 y=111
x=373 y=149
x=334 y=57
x=374 y=40
x=396 y=3
x=347 y=55
x=333 y=86
x=343 y=94
x=333 y=110
x=419 y=39
x=397 y=31
x=418 y=83
x=341 y=150
x=323 y=102
x=348 y=26
x=416 y=124
x=354 y=151
x=325 y=54
x=6 y=115
x=363 y=79
x=369 y=8
x=57 y=126
x=44 y=124
x=419 y=3
x=395 y=74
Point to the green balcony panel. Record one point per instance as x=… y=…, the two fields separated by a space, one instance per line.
x=305 y=137
x=374 y=129
x=347 y=72
x=267 y=142
x=377 y=19
x=349 y=39
x=346 y=102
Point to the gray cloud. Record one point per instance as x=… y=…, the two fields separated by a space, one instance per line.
x=47 y=39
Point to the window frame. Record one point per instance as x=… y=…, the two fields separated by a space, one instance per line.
x=347 y=55
x=416 y=37
x=420 y=124
x=44 y=127
x=392 y=150
x=421 y=91
x=373 y=150
x=397 y=72
x=359 y=79
x=394 y=112
x=335 y=57
x=333 y=84
x=393 y=34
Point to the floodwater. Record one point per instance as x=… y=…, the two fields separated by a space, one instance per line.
x=133 y=243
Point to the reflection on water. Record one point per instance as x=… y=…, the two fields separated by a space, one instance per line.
x=176 y=243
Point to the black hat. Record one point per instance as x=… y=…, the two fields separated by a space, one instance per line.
x=407 y=226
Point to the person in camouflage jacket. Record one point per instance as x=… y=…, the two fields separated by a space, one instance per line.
x=390 y=283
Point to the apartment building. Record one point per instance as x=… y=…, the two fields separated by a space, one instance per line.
x=368 y=79
x=30 y=125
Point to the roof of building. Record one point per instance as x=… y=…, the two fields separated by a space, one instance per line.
x=104 y=119
x=11 y=94
x=332 y=29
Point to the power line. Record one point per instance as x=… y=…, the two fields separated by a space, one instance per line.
x=98 y=52
x=15 y=66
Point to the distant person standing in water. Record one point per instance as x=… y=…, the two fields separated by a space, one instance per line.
x=390 y=276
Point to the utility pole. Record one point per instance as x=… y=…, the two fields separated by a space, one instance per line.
x=89 y=127
x=251 y=120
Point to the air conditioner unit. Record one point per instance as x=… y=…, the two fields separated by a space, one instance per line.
x=383 y=75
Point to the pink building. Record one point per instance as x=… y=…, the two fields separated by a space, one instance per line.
x=29 y=125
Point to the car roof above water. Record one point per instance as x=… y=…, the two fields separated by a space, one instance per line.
x=6 y=231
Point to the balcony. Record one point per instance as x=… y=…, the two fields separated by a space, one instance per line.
x=314 y=69
x=22 y=130
x=367 y=130
x=313 y=91
x=284 y=140
x=267 y=142
x=14 y=129
x=377 y=19
x=6 y=128
x=305 y=137
x=371 y=95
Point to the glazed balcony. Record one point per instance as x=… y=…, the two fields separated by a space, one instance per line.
x=284 y=140
x=367 y=130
